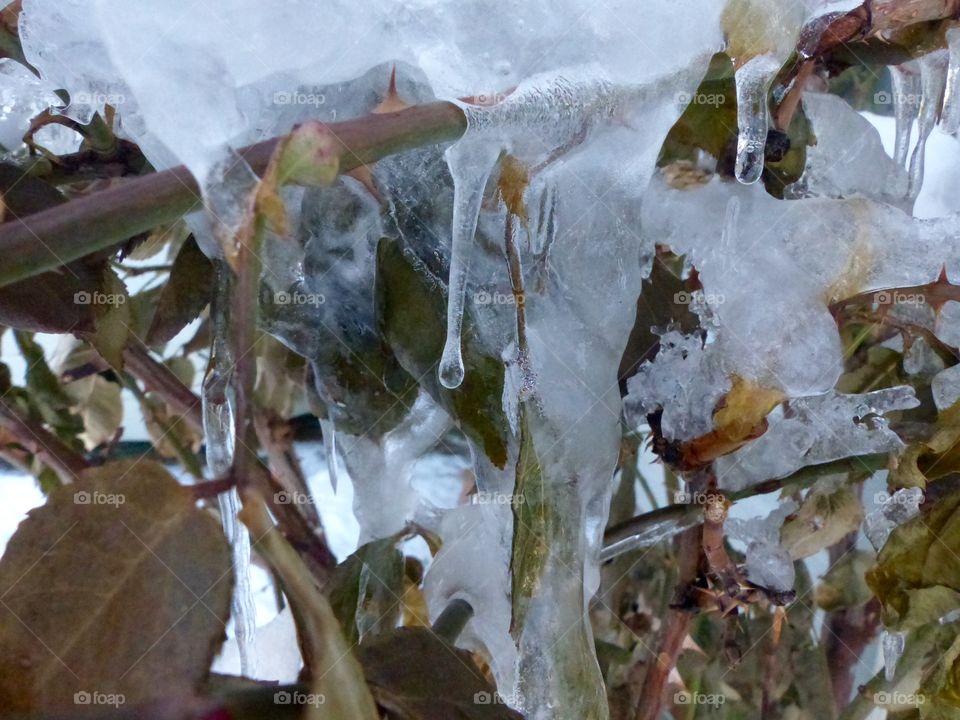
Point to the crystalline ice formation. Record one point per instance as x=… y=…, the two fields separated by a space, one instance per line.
x=22 y=96
x=799 y=256
x=893 y=511
x=768 y=563
x=946 y=388
x=685 y=380
x=848 y=158
x=814 y=430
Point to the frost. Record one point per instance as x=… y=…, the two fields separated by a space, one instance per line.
x=685 y=380
x=893 y=511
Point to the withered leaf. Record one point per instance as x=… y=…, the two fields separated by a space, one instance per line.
x=118 y=585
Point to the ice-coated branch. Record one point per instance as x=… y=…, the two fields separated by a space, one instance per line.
x=46 y=240
x=656 y=525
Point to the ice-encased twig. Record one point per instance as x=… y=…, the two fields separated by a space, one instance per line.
x=219 y=429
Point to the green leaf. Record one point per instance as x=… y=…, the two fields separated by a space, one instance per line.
x=844 y=585
x=117 y=585
x=186 y=294
x=412 y=303
x=534 y=523
x=415 y=675
x=111 y=308
x=365 y=588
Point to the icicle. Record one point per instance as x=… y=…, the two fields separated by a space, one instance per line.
x=470 y=164
x=329 y=429
x=220 y=440
x=950 y=115
x=933 y=78
x=753 y=116
x=905 y=81
x=892 y=644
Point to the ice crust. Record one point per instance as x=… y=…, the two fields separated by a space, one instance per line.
x=586 y=113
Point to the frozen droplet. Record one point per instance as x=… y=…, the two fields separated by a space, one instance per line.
x=892 y=644
x=470 y=163
x=950 y=115
x=753 y=115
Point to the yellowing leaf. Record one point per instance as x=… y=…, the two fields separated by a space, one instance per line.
x=823 y=520
x=100 y=405
x=929 y=460
x=118 y=585
x=741 y=417
x=512 y=184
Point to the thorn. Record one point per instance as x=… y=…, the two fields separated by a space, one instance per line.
x=392 y=102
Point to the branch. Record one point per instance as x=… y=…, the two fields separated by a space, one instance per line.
x=659 y=524
x=46 y=240
x=67 y=462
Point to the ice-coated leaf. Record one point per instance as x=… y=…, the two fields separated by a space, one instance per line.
x=534 y=522
x=917 y=574
x=365 y=589
x=185 y=295
x=415 y=675
x=822 y=520
x=117 y=585
x=412 y=308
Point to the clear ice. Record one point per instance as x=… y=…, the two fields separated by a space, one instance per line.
x=753 y=82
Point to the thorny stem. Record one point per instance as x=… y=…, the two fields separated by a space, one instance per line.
x=675 y=629
x=46 y=240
